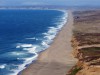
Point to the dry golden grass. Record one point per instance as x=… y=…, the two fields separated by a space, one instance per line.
x=87 y=21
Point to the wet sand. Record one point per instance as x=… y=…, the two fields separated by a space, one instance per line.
x=58 y=58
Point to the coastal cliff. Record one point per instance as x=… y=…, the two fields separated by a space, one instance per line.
x=86 y=42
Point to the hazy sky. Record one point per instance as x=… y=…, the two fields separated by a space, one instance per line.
x=48 y=2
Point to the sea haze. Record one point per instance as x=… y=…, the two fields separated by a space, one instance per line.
x=24 y=34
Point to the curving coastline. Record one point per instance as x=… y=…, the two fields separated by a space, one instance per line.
x=57 y=59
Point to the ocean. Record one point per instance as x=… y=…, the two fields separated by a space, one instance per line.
x=24 y=34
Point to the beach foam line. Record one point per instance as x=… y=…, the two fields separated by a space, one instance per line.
x=53 y=31
x=35 y=49
x=23 y=66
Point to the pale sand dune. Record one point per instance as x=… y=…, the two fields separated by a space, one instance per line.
x=57 y=59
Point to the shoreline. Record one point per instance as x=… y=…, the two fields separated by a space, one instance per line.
x=48 y=62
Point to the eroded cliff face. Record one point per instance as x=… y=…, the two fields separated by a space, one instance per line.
x=88 y=58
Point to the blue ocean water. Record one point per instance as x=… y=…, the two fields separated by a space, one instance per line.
x=25 y=33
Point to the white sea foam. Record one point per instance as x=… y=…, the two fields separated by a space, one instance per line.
x=2 y=66
x=53 y=31
x=16 y=53
x=45 y=43
x=23 y=45
x=31 y=49
x=32 y=38
x=22 y=66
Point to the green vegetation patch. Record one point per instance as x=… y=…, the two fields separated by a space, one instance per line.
x=75 y=71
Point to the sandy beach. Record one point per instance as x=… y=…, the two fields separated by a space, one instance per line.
x=58 y=58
